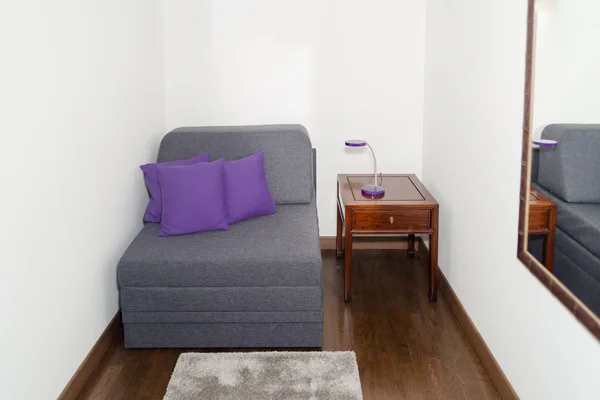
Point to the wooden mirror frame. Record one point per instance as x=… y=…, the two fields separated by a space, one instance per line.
x=557 y=288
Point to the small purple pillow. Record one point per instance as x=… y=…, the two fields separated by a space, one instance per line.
x=153 y=211
x=246 y=189
x=193 y=198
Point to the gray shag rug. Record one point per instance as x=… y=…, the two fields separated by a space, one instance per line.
x=268 y=375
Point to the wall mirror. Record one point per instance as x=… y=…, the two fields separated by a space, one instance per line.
x=559 y=221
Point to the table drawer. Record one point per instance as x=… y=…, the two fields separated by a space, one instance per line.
x=391 y=220
x=538 y=220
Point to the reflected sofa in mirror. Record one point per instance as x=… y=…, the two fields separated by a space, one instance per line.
x=560 y=188
x=568 y=175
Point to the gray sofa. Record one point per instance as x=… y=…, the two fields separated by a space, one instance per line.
x=569 y=175
x=258 y=284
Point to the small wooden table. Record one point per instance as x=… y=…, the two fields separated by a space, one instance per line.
x=542 y=221
x=407 y=208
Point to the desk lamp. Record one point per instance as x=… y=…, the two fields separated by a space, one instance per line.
x=373 y=190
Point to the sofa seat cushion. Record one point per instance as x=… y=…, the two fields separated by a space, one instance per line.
x=581 y=221
x=280 y=249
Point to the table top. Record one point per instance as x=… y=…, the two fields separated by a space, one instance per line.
x=537 y=199
x=400 y=190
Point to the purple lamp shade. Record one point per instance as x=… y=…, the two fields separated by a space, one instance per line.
x=356 y=143
x=545 y=142
x=374 y=190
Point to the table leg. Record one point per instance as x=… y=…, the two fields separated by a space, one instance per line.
x=411 y=245
x=339 y=251
x=433 y=258
x=348 y=259
x=548 y=254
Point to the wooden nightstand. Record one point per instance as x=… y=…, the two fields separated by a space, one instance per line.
x=542 y=221
x=407 y=208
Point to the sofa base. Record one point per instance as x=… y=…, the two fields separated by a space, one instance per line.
x=572 y=266
x=231 y=335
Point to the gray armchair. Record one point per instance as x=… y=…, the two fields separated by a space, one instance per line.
x=570 y=176
x=258 y=284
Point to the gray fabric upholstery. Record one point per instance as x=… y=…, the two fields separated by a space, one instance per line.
x=306 y=334
x=578 y=281
x=287 y=148
x=281 y=249
x=577 y=253
x=581 y=221
x=570 y=176
x=574 y=266
x=276 y=298
x=174 y=317
x=258 y=284
x=572 y=169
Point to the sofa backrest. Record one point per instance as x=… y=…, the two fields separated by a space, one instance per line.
x=571 y=170
x=287 y=151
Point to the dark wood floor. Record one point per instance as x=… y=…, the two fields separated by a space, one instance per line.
x=407 y=347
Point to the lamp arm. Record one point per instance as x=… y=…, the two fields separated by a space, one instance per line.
x=374 y=163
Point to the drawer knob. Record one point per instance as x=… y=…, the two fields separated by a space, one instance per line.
x=391 y=220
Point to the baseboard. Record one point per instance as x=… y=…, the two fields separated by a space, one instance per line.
x=370 y=242
x=481 y=349
x=91 y=361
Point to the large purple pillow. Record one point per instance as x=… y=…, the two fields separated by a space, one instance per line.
x=193 y=198
x=246 y=188
x=153 y=211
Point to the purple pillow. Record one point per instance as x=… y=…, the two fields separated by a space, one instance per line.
x=246 y=189
x=193 y=198
x=153 y=211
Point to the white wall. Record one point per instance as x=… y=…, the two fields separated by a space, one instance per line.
x=343 y=68
x=474 y=74
x=567 y=57
x=81 y=101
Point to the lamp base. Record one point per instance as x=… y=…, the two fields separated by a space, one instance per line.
x=372 y=191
